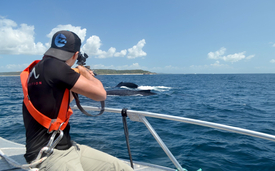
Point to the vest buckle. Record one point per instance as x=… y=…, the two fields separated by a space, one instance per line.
x=52 y=121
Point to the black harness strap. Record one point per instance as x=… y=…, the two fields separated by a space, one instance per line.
x=124 y=115
x=82 y=110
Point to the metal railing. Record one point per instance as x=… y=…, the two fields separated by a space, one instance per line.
x=140 y=116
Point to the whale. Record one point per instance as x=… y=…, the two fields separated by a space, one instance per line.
x=122 y=92
x=132 y=91
x=127 y=84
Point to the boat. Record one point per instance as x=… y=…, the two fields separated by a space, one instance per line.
x=12 y=153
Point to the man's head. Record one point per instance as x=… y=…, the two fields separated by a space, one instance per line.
x=64 y=45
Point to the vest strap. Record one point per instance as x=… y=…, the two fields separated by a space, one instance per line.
x=51 y=124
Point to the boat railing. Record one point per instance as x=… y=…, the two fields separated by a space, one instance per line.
x=140 y=116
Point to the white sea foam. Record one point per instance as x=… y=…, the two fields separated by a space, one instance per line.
x=156 y=88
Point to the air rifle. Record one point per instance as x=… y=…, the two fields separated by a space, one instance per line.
x=81 y=60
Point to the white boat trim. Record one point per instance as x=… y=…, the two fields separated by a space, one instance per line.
x=16 y=151
x=134 y=116
x=139 y=116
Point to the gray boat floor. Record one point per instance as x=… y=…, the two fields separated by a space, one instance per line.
x=16 y=152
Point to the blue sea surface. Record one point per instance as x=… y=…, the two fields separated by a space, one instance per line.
x=240 y=100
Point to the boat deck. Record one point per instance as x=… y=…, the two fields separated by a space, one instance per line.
x=16 y=152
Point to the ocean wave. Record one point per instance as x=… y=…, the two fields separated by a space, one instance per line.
x=155 y=88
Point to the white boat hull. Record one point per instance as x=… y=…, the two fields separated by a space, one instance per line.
x=16 y=152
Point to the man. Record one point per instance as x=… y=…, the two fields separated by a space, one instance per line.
x=46 y=86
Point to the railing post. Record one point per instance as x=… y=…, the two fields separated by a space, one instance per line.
x=161 y=143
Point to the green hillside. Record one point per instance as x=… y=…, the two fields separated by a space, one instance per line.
x=121 y=72
x=10 y=73
x=97 y=71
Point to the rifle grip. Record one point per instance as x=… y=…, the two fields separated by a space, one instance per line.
x=76 y=70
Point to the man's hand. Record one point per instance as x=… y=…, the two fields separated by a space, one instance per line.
x=88 y=85
x=85 y=72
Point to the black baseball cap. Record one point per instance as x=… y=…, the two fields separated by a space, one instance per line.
x=64 y=45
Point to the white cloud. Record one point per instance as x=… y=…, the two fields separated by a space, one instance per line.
x=18 y=39
x=198 y=66
x=21 y=40
x=14 y=67
x=133 y=66
x=93 y=44
x=100 y=66
x=250 y=56
x=228 y=58
x=217 y=64
x=272 y=61
x=217 y=54
x=92 y=48
x=170 y=67
x=108 y=54
x=234 y=57
x=123 y=67
x=136 y=51
x=121 y=53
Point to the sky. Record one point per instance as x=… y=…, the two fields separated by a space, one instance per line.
x=162 y=36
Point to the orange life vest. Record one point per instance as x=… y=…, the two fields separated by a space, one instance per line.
x=64 y=112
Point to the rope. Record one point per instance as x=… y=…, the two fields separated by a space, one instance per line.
x=77 y=101
x=19 y=166
x=126 y=132
x=47 y=149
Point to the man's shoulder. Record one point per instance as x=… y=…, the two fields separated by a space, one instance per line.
x=53 y=65
x=53 y=61
x=58 y=71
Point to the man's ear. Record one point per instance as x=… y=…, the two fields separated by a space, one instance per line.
x=75 y=55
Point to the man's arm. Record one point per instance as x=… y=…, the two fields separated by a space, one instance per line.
x=87 y=85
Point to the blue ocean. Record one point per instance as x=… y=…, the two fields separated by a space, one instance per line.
x=240 y=100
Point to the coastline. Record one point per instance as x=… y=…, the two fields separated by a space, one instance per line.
x=97 y=71
x=7 y=74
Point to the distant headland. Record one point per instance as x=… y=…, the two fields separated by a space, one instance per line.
x=98 y=72
x=122 y=72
